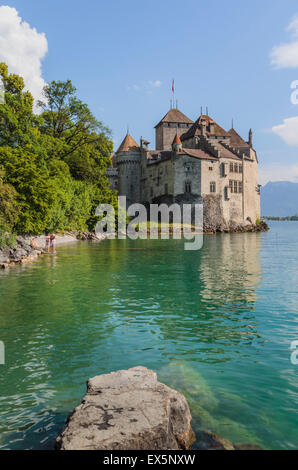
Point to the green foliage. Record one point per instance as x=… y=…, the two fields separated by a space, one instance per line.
x=52 y=165
x=7 y=240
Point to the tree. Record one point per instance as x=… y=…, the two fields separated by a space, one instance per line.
x=69 y=119
x=53 y=166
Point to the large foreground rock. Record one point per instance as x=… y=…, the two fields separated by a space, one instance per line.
x=128 y=410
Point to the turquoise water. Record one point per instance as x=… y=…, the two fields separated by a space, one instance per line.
x=216 y=324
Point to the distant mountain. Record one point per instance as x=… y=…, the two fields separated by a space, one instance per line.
x=279 y=199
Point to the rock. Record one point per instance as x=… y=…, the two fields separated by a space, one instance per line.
x=19 y=253
x=4 y=259
x=209 y=441
x=84 y=236
x=247 y=447
x=128 y=410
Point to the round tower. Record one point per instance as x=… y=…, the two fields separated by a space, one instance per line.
x=129 y=170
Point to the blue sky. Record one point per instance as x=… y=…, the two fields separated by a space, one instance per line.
x=122 y=56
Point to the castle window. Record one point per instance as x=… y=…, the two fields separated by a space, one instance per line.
x=212 y=187
x=151 y=192
x=236 y=167
x=235 y=186
x=187 y=187
x=226 y=193
x=240 y=168
x=210 y=168
x=223 y=170
x=231 y=167
x=240 y=187
x=166 y=189
x=231 y=185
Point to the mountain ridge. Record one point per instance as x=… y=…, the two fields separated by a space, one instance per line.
x=279 y=199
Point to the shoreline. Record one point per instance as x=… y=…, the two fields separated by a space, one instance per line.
x=24 y=252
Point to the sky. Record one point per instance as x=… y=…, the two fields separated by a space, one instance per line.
x=238 y=58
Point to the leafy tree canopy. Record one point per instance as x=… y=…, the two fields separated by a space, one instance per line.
x=52 y=165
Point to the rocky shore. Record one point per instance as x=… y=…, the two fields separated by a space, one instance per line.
x=25 y=252
x=210 y=227
x=22 y=253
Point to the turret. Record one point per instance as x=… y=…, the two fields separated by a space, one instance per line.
x=250 y=138
x=176 y=144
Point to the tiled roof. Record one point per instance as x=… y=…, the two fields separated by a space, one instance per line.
x=128 y=145
x=199 y=153
x=196 y=128
x=176 y=140
x=155 y=156
x=158 y=155
x=236 y=140
x=175 y=116
x=226 y=152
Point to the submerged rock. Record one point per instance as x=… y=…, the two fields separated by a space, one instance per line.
x=247 y=446
x=209 y=441
x=128 y=410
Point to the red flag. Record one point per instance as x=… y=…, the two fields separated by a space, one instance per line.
x=173 y=86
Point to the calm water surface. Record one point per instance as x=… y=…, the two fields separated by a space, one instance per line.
x=216 y=324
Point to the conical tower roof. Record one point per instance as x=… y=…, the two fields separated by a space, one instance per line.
x=176 y=140
x=128 y=145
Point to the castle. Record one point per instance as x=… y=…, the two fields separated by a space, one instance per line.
x=193 y=162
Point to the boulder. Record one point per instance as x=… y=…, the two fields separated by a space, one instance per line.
x=19 y=253
x=128 y=410
x=4 y=258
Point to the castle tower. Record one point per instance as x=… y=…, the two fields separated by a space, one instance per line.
x=129 y=170
x=173 y=122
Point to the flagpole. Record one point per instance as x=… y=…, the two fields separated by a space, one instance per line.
x=173 y=90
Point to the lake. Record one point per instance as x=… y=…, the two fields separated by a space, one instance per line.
x=216 y=324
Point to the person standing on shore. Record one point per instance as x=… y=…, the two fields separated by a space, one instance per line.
x=47 y=242
x=53 y=243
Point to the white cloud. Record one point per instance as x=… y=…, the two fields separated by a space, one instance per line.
x=147 y=87
x=156 y=83
x=286 y=55
x=22 y=48
x=293 y=26
x=288 y=131
x=278 y=172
